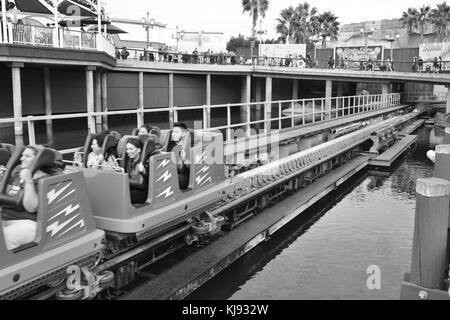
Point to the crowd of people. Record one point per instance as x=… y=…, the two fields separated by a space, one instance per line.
x=417 y=65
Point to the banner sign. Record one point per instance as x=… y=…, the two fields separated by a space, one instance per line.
x=429 y=51
x=354 y=55
x=282 y=50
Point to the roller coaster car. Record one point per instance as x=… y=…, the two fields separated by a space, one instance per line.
x=167 y=205
x=66 y=232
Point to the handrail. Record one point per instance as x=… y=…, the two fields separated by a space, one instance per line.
x=285 y=114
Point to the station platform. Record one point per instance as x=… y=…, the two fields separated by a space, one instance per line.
x=411 y=128
x=389 y=156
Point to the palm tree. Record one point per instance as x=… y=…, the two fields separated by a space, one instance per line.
x=440 y=17
x=410 y=19
x=286 y=25
x=255 y=9
x=305 y=22
x=328 y=26
x=297 y=25
x=424 y=17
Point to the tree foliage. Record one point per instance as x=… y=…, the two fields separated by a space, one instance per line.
x=299 y=24
x=255 y=8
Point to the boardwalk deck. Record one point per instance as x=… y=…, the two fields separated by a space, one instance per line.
x=411 y=128
x=186 y=276
x=388 y=157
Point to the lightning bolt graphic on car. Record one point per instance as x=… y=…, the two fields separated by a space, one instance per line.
x=52 y=194
x=166 y=176
x=168 y=192
x=67 y=210
x=55 y=227
x=164 y=163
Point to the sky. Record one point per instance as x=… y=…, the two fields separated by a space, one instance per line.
x=226 y=15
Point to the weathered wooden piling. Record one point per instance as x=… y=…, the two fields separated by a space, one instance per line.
x=447 y=135
x=428 y=263
x=442 y=162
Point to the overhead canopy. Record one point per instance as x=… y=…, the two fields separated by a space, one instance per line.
x=31 y=6
x=73 y=7
x=111 y=29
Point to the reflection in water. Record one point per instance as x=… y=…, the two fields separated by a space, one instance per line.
x=325 y=254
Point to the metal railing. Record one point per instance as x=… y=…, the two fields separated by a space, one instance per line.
x=77 y=39
x=162 y=56
x=274 y=115
x=424 y=96
x=19 y=33
x=32 y=35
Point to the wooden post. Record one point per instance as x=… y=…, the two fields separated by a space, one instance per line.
x=207 y=123
x=140 y=117
x=171 y=104
x=442 y=162
x=17 y=102
x=448 y=99
x=268 y=111
x=428 y=261
x=90 y=97
x=98 y=100
x=295 y=89
x=328 y=95
x=48 y=104
x=258 y=97
x=105 y=99
x=447 y=136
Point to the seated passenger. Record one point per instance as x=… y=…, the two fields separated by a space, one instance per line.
x=136 y=172
x=96 y=159
x=145 y=129
x=177 y=140
x=19 y=226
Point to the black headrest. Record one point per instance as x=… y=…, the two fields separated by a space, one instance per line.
x=44 y=158
x=10 y=147
x=135 y=132
x=87 y=148
x=4 y=156
x=109 y=142
x=150 y=146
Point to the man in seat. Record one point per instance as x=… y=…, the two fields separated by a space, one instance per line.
x=178 y=144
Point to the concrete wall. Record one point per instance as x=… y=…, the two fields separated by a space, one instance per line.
x=189 y=90
x=123 y=90
x=156 y=90
x=226 y=89
x=6 y=108
x=68 y=89
x=33 y=100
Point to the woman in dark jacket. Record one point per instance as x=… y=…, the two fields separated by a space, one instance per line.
x=136 y=172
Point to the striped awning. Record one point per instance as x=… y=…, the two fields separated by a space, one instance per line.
x=30 y=6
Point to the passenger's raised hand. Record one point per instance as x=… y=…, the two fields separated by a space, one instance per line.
x=25 y=174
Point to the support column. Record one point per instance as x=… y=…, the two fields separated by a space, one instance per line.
x=448 y=99
x=268 y=106
x=295 y=89
x=207 y=123
x=258 y=97
x=48 y=104
x=90 y=97
x=328 y=94
x=171 y=105
x=17 y=102
x=105 y=99
x=385 y=90
x=140 y=117
x=5 y=27
x=246 y=98
x=339 y=93
x=98 y=100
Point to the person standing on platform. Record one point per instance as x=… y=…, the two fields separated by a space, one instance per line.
x=330 y=63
